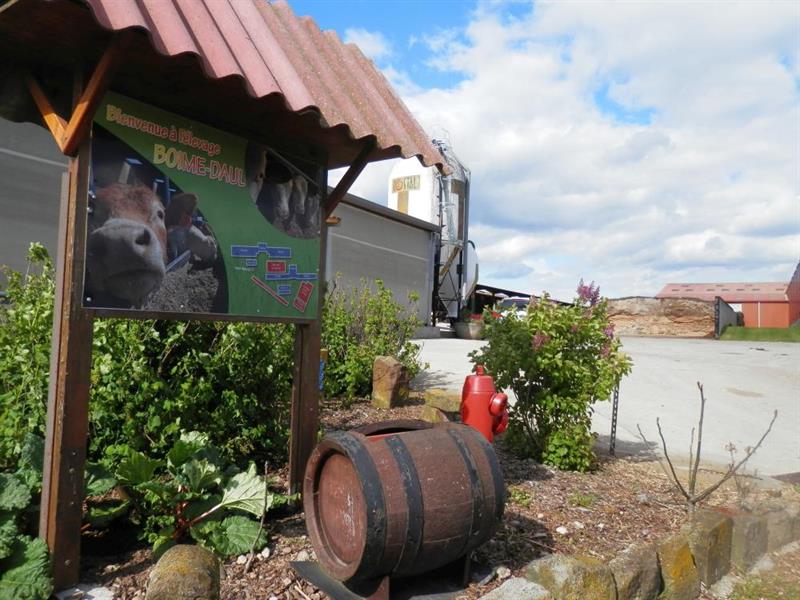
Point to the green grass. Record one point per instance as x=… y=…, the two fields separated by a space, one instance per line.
x=579 y=499
x=762 y=334
x=781 y=582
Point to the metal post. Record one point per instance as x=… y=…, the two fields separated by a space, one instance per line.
x=612 y=449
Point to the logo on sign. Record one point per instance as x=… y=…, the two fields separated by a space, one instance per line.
x=405 y=184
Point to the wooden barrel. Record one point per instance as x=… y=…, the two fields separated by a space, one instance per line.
x=400 y=498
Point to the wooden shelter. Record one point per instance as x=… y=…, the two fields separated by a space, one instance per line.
x=246 y=67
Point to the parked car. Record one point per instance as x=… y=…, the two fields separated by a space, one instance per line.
x=519 y=304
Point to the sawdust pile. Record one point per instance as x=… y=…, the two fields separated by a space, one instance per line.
x=669 y=317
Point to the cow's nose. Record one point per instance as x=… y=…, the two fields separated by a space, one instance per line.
x=144 y=238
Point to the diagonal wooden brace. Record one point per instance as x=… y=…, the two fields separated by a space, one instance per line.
x=70 y=134
x=350 y=176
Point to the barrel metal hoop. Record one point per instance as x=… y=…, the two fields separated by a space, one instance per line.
x=416 y=510
x=476 y=487
x=497 y=478
x=373 y=497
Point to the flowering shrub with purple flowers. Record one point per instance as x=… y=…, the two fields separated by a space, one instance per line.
x=559 y=359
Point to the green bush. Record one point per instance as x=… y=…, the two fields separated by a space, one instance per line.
x=24 y=559
x=26 y=325
x=360 y=325
x=559 y=360
x=150 y=380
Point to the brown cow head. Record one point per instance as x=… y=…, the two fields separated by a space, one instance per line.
x=127 y=245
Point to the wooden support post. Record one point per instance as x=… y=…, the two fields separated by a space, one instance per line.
x=305 y=401
x=68 y=396
x=305 y=388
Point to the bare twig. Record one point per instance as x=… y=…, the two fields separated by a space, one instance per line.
x=748 y=453
x=691 y=452
x=649 y=443
x=675 y=479
x=691 y=496
x=693 y=469
x=263 y=519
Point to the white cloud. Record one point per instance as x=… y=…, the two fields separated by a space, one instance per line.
x=371 y=43
x=703 y=185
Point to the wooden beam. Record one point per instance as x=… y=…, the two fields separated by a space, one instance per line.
x=81 y=120
x=68 y=394
x=305 y=401
x=350 y=176
x=305 y=386
x=54 y=122
x=69 y=135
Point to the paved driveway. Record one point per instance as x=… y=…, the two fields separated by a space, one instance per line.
x=744 y=382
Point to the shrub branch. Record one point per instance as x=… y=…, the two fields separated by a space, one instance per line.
x=691 y=495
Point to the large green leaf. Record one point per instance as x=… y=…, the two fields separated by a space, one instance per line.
x=245 y=491
x=8 y=533
x=25 y=575
x=14 y=493
x=199 y=475
x=99 y=480
x=137 y=468
x=233 y=535
x=105 y=514
x=180 y=452
x=32 y=453
x=237 y=534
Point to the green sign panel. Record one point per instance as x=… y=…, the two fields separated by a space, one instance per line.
x=187 y=219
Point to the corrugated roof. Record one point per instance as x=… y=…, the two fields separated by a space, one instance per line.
x=279 y=58
x=735 y=293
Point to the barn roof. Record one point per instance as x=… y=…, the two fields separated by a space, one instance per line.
x=733 y=293
x=275 y=75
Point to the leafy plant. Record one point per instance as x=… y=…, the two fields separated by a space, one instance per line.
x=152 y=379
x=149 y=380
x=24 y=560
x=520 y=496
x=577 y=498
x=559 y=360
x=195 y=493
x=26 y=324
x=360 y=325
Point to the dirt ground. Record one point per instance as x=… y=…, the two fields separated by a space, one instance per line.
x=598 y=514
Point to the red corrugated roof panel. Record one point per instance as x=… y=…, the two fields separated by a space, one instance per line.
x=741 y=292
x=277 y=53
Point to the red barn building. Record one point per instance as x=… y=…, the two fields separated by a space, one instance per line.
x=773 y=304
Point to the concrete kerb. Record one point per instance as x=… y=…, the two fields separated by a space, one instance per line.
x=715 y=547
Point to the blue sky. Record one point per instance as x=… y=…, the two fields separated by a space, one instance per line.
x=634 y=144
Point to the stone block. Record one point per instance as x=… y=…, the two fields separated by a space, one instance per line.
x=185 y=572
x=678 y=571
x=710 y=534
x=433 y=415
x=518 y=588
x=568 y=577
x=780 y=527
x=389 y=382
x=636 y=573
x=749 y=540
x=793 y=510
x=446 y=400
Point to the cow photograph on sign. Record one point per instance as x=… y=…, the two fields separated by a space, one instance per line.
x=186 y=219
